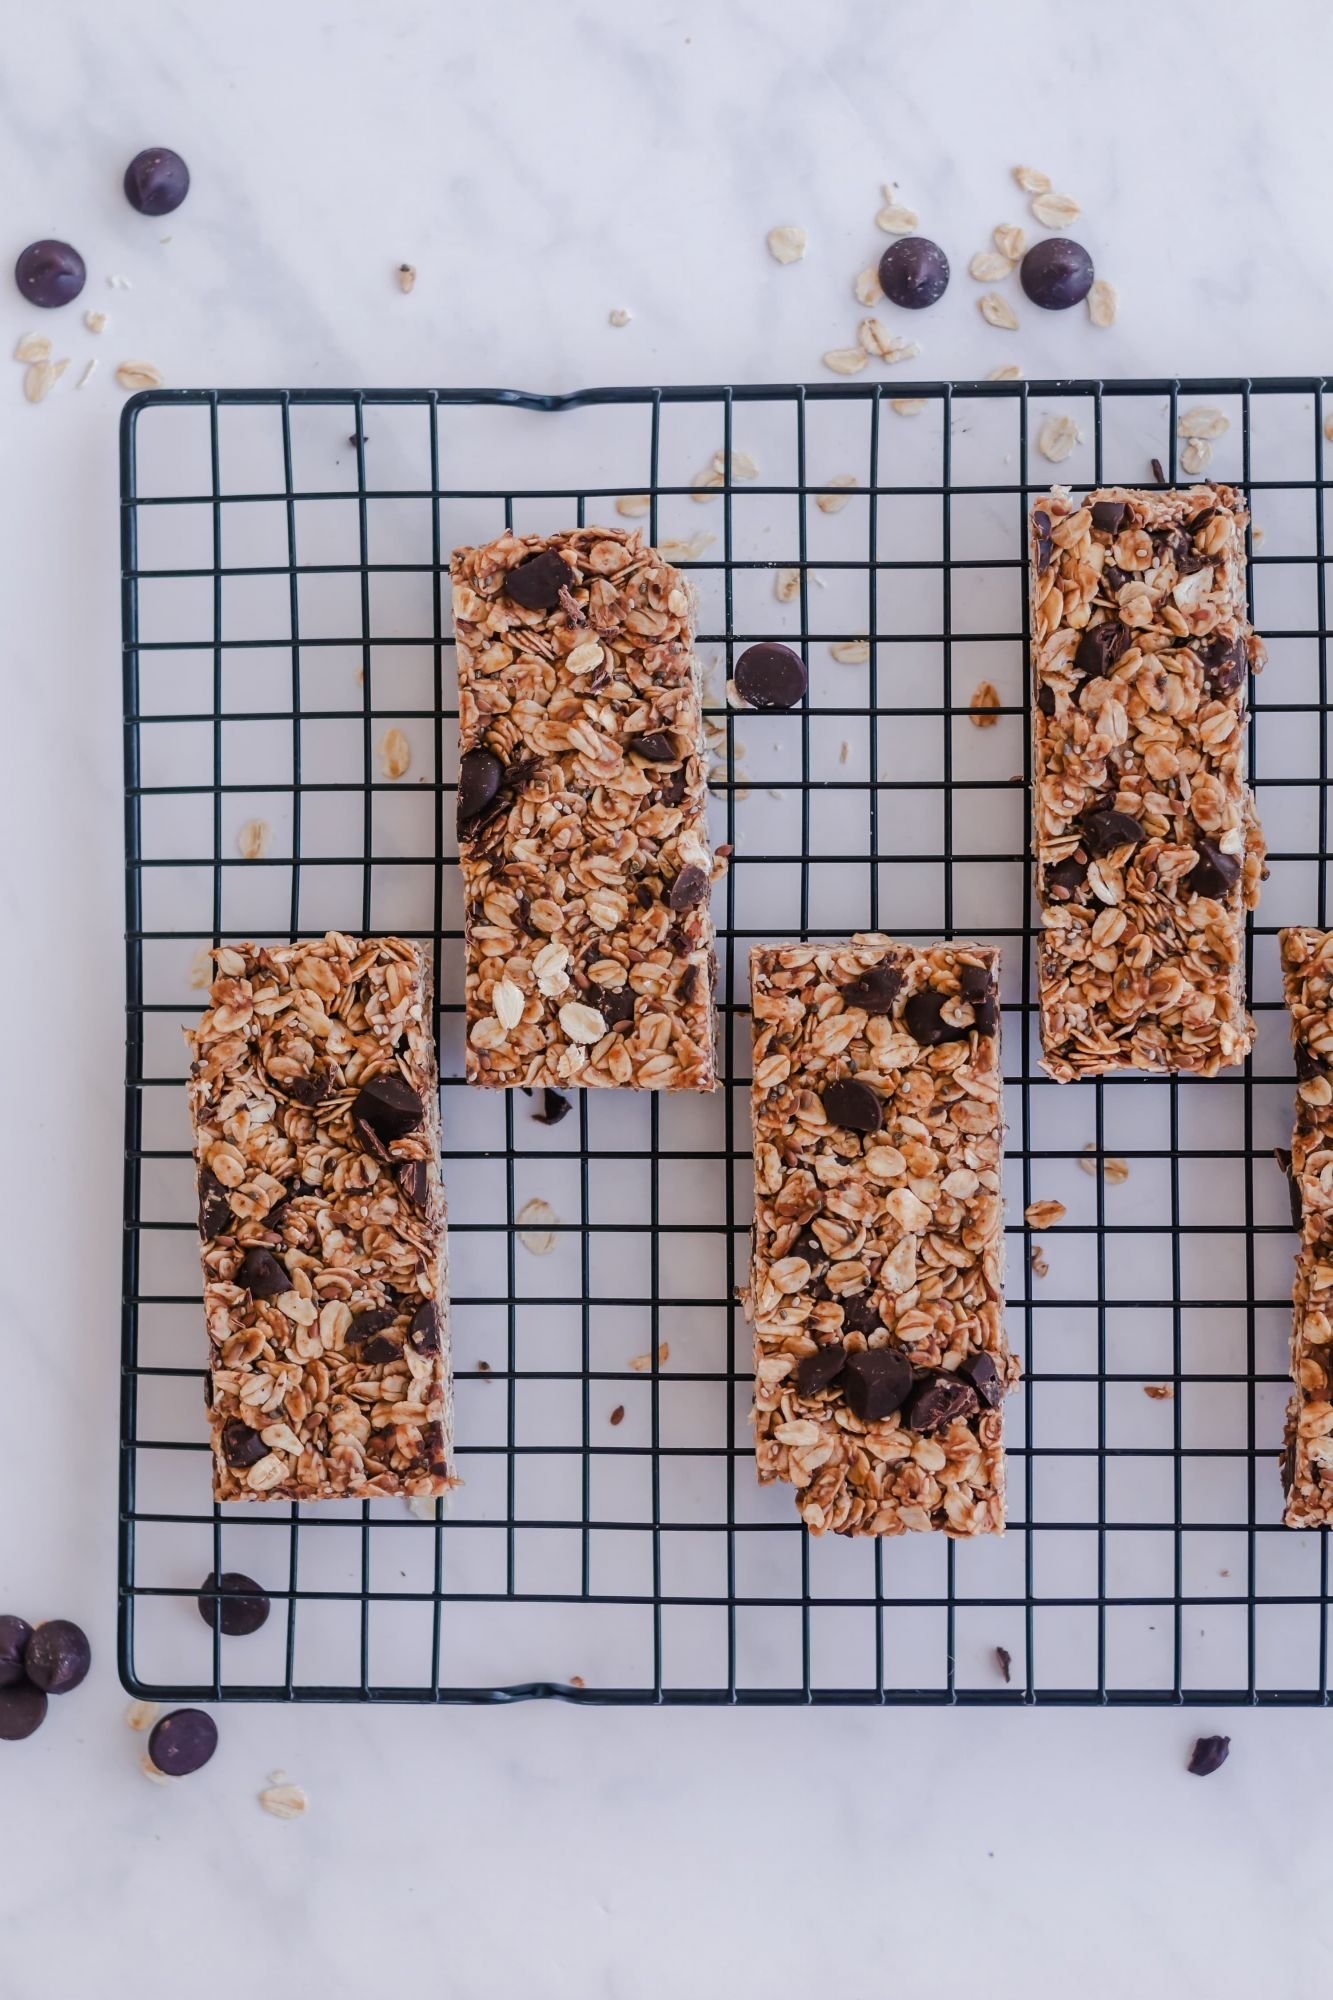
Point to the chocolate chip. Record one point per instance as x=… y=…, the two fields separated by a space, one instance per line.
x=689 y=888
x=215 y=1216
x=1067 y=876
x=673 y=786
x=984 y=1376
x=1214 y=872
x=1283 y=1158
x=242 y=1606
x=876 y=989
x=1041 y=521
x=372 y=1142
x=1109 y=515
x=381 y=1348
x=808 y=1245
x=860 y=1314
x=657 y=745
x=480 y=776
x=14 y=1636
x=1200 y=520
x=770 y=676
x=1226 y=662
x=1309 y=1063
x=365 y=1325
x=1100 y=648
x=182 y=1742
x=389 y=1105
x=1004 y=1659
x=536 y=582
x=852 y=1105
x=616 y=1008
x=1046 y=700
x=554 y=1105
x=923 y=1018
x=1041 y=526
x=423 y=1334
x=1045 y=552
x=260 y=1273
x=1209 y=1754
x=413 y=1179
x=58 y=1656
x=241 y=1447
x=876 y=1382
x=686 y=984
x=1115 y=579
x=22 y=1709
x=815 y=1371
x=977 y=987
x=307 y=1090
x=1105 y=829
x=938 y=1400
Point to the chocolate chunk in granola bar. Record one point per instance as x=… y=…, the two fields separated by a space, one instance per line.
x=1105 y=829
x=852 y=1105
x=875 y=1382
x=480 y=775
x=616 y=1008
x=215 y=1216
x=876 y=989
x=657 y=745
x=241 y=1604
x=414 y=1182
x=1283 y=1158
x=1225 y=663
x=860 y=1314
x=260 y=1273
x=923 y=1017
x=381 y=1349
x=978 y=988
x=536 y=582
x=770 y=676
x=389 y=1105
x=1046 y=700
x=1309 y=1062
x=984 y=1376
x=938 y=1400
x=1100 y=648
x=365 y=1325
x=1209 y=1754
x=1109 y=515
x=307 y=1090
x=815 y=1371
x=689 y=888
x=241 y=1447
x=423 y=1334
x=1214 y=872
x=1064 y=877
x=1041 y=522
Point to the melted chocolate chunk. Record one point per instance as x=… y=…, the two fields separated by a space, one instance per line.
x=241 y=1447
x=1214 y=873
x=556 y=1106
x=938 y=1400
x=689 y=888
x=1309 y=1062
x=308 y=1090
x=923 y=1018
x=1283 y=1158
x=215 y=1216
x=1209 y=1754
x=1105 y=829
x=414 y=1182
x=977 y=987
x=1100 y=647
x=389 y=1105
x=860 y=1314
x=815 y=1371
x=365 y=1325
x=423 y=1334
x=657 y=745
x=1226 y=662
x=876 y=989
x=1046 y=700
x=536 y=582
x=480 y=776
x=1067 y=876
x=261 y=1274
x=853 y=1105
x=616 y=1008
x=984 y=1376
x=1109 y=515
x=876 y=1381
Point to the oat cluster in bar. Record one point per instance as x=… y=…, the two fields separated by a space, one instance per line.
x=313 y=1093
x=877 y=1289
x=582 y=816
x=1148 y=852
x=1307 y=1460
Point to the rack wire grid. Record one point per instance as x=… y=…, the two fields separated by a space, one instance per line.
x=284 y=558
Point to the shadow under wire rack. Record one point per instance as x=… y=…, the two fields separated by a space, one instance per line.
x=285 y=605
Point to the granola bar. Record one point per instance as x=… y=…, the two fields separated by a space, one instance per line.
x=1147 y=849
x=1307 y=1460
x=313 y=1092
x=582 y=815
x=876 y=1288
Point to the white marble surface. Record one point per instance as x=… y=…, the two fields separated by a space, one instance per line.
x=540 y=167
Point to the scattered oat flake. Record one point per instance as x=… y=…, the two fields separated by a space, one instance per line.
x=678 y=551
x=141 y=1715
x=787 y=243
x=882 y=345
x=254 y=839
x=1032 y=181
x=787 y=585
x=1055 y=211
x=1008 y=371
x=41 y=378
x=988 y=267
x=985 y=695
x=1057 y=438
x=620 y=316
x=742 y=465
x=540 y=1241
x=407 y=277
x=1041 y=1214
x=1010 y=240
x=1103 y=303
x=641 y=1363
x=845 y=360
x=844 y=752
x=395 y=753
x=631 y=505
x=833 y=503
x=706 y=484
x=907 y=406
x=1197 y=456
x=997 y=312
x=95 y=321
x=421 y=1505
x=867 y=287
x=1161 y=1392
x=851 y=652
x=150 y=1770
x=618 y=1414
x=1116 y=1171
x=87 y=375
x=201 y=968
x=134 y=375
x=1202 y=421
x=284 y=1801
x=33 y=347
x=895 y=220
x=1037 y=1259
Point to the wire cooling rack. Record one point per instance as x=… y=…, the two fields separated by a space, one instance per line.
x=284 y=607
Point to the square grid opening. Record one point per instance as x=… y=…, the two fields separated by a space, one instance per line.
x=287 y=641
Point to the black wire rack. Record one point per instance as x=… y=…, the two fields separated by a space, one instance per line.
x=284 y=561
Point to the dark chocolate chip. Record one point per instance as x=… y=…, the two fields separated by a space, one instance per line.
x=182 y=1742
x=923 y=1017
x=808 y=1245
x=1004 y=1659
x=852 y=1105
x=876 y=989
x=389 y=1105
x=1226 y=662
x=1214 y=872
x=1109 y=515
x=657 y=745
x=14 y=1636
x=215 y=1216
x=480 y=776
x=1309 y=1063
x=308 y=1090
x=1105 y=829
x=876 y=1382
x=22 y=1709
x=1045 y=553
x=366 y=1324
x=977 y=987
x=1041 y=521
x=58 y=1656
x=689 y=888
x=260 y=1273
x=536 y=582
x=555 y=1106
x=413 y=1178
x=673 y=786
x=615 y=1008
x=1287 y=1467
x=815 y=1371
x=1067 y=875
x=860 y=1314
x=984 y=1376
x=914 y=272
x=240 y=1603
x=770 y=676
x=372 y=1142
x=424 y=1332
x=1209 y=1754
x=686 y=984
x=380 y=1349
x=1100 y=648
x=241 y=1447
x=938 y=1400
x=1115 y=579
x=1283 y=1158
x=1046 y=700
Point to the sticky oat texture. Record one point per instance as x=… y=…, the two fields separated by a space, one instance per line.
x=1147 y=849
x=1307 y=1460
x=313 y=1092
x=583 y=837
x=877 y=1289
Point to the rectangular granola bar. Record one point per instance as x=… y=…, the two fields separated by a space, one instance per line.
x=876 y=1288
x=313 y=1092
x=1147 y=849
x=1307 y=1460
x=582 y=815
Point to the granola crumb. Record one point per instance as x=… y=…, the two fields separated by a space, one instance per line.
x=997 y=312
x=677 y=551
x=620 y=316
x=41 y=378
x=844 y=752
x=284 y=1801
x=201 y=969
x=151 y=1772
x=641 y=1363
x=984 y=696
x=1328 y=427
x=407 y=277
x=786 y=243
x=141 y=1715
x=1161 y=1392
x=1115 y=1171
x=1037 y=1259
x=395 y=753
x=882 y=345
x=539 y=1240
x=1157 y=472
x=787 y=585
x=618 y=1414
x=1196 y=457
x=1041 y=1214
x=1202 y=421
x=895 y=219
x=119 y=284
x=833 y=503
x=254 y=839
x=576 y=1681
x=96 y=322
